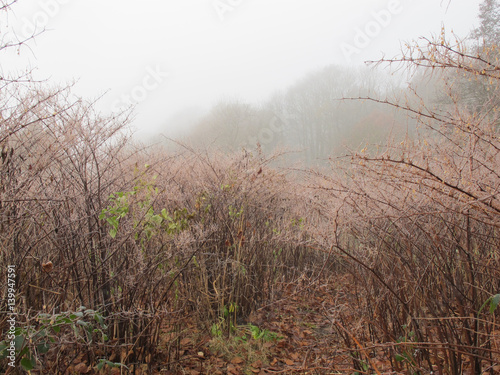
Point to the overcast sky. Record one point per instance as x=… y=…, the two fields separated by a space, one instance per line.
x=167 y=56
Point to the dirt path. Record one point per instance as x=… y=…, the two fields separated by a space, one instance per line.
x=307 y=344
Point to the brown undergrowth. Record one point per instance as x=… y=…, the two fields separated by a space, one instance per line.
x=120 y=258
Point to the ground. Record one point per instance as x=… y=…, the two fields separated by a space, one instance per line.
x=301 y=340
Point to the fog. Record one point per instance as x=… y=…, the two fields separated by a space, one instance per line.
x=175 y=60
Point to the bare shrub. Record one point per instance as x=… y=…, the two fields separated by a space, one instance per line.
x=417 y=226
x=138 y=237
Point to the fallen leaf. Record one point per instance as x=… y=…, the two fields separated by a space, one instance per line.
x=237 y=360
x=47 y=267
x=81 y=368
x=257 y=364
x=123 y=355
x=231 y=369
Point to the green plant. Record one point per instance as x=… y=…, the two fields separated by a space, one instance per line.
x=226 y=321
x=34 y=340
x=243 y=332
x=234 y=213
x=247 y=342
x=298 y=223
x=148 y=223
x=118 y=208
x=262 y=334
x=216 y=328
x=104 y=362
x=493 y=301
x=364 y=365
x=407 y=350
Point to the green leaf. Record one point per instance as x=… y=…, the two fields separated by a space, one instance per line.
x=157 y=219
x=495 y=300
x=28 y=364
x=113 y=221
x=82 y=323
x=41 y=333
x=399 y=358
x=43 y=348
x=216 y=331
x=19 y=342
x=366 y=367
x=101 y=364
x=24 y=351
x=113 y=232
x=99 y=319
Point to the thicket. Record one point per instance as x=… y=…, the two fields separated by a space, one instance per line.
x=115 y=245
x=140 y=238
x=417 y=224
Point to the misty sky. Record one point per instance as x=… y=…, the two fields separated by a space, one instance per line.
x=172 y=56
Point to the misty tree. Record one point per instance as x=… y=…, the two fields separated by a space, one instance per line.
x=444 y=88
x=319 y=123
x=489 y=28
x=473 y=92
x=233 y=124
x=310 y=117
x=225 y=124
